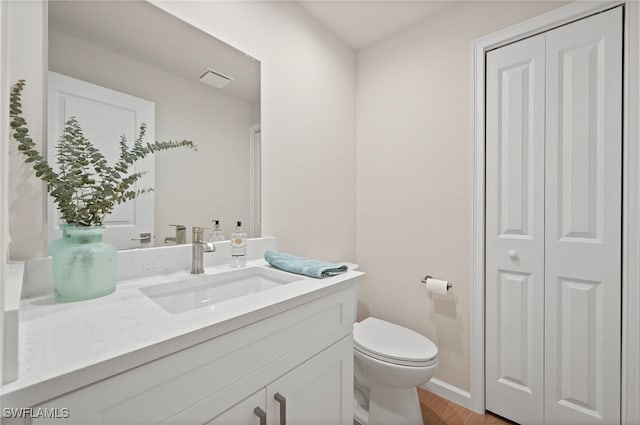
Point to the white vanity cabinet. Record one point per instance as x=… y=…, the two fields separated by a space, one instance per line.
x=303 y=354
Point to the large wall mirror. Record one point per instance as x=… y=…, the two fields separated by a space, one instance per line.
x=138 y=50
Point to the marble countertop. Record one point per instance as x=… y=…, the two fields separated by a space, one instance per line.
x=64 y=346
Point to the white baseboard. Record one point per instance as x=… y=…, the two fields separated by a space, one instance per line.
x=450 y=392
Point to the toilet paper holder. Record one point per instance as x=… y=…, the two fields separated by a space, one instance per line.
x=449 y=284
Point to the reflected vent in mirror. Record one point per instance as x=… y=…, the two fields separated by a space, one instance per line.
x=214 y=78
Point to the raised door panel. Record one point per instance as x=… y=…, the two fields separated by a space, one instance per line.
x=583 y=220
x=515 y=230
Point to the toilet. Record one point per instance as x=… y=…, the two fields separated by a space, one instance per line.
x=390 y=361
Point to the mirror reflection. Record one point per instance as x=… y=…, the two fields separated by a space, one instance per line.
x=197 y=88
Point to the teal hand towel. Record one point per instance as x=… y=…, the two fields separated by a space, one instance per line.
x=305 y=266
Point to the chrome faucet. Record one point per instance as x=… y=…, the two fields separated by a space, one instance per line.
x=181 y=235
x=198 y=247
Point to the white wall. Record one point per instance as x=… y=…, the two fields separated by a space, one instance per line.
x=191 y=188
x=415 y=173
x=308 y=122
x=26 y=54
x=4 y=153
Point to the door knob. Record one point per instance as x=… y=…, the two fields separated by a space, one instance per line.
x=513 y=254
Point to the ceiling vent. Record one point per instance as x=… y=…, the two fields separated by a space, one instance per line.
x=214 y=78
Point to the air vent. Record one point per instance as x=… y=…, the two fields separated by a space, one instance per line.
x=214 y=78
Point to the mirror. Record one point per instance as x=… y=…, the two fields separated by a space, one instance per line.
x=137 y=49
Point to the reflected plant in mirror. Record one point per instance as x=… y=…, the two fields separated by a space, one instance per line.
x=85 y=188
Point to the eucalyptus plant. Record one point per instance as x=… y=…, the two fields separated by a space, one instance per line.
x=86 y=187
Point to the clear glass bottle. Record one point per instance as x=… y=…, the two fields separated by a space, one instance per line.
x=238 y=247
x=217 y=234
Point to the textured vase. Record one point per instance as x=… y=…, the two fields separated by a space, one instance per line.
x=84 y=266
x=59 y=243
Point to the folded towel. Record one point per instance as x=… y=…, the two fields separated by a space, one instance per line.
x=305 y=266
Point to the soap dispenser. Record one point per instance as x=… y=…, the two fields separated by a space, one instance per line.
x=238 y=247
x=217 y=234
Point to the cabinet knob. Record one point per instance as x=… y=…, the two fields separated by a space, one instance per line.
x=513 y=254
x=283 y=407
x=261 y=414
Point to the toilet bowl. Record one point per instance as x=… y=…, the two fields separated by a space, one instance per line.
x=390 y=361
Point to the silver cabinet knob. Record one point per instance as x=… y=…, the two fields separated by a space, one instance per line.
x=513 y=254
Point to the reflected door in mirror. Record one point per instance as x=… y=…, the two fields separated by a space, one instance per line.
x=104 y=115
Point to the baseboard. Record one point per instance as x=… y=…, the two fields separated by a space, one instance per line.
x=450 y=392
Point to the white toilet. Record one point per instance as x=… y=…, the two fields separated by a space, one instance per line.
x=390 y=361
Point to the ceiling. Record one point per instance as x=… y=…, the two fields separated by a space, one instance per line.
x=163 y=42
x=363 y=23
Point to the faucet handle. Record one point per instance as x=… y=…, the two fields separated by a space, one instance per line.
x=198 y=233
x=181 y=234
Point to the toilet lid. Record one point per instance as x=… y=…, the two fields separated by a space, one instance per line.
x=392 y=342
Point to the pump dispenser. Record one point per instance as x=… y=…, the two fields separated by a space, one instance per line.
x=238 y=247
x=217 y=234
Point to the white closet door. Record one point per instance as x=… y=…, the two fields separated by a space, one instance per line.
x=515 y=230
x=583 y=221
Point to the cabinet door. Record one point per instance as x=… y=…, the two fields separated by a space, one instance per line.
x=319 y=391
x=515 y=230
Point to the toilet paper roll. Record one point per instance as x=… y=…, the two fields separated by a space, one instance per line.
x=437 y=286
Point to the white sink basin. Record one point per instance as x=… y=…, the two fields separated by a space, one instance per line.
x=204 y=290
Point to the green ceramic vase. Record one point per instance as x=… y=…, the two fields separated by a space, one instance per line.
x=84 y=266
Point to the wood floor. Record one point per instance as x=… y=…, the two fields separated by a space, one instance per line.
x=439 y=411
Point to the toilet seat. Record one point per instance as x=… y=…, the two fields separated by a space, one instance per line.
x=393 y=344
